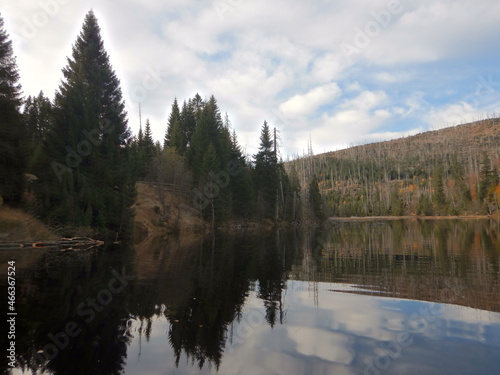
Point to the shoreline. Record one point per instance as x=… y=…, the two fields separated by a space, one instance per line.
x=410 y=217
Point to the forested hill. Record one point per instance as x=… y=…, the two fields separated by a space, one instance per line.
x=467 y=141
x=444 y=172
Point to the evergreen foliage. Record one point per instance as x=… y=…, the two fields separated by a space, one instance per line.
x=88 y=181
x=226 y=186
x=147 y=147
x=87 y=162
x=176 y=136
x=266 y=175
x=38 y=118
x=12 y=150
x=188 y=122
x=242 y=189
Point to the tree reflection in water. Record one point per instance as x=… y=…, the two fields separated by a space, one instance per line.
x=201 y=286
x=205 y=287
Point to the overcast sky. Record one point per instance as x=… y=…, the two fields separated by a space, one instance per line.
x=339 y=72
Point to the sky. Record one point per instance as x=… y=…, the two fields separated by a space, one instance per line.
x=332 y=73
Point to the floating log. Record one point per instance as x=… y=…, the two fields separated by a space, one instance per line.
x=77 y=243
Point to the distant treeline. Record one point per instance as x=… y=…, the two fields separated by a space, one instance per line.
x=83 y=162
x=453 y=171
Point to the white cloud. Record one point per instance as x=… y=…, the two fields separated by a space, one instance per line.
x=309 y=102
x=278 y=61
x=328 y=68
x=429 y=31
x=452 y=114
x=353 y=87
x=386 y=77
x=365 y=101
x=329 y=346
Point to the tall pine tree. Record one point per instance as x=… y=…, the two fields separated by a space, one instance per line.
x=188 y=122
x=12 y=154
x=241 y=181
x=148 y=144
x=176 y=136
x=208 y=131
x=89 y=181
x=38 y=117
x=38 y=121
x=266 y=175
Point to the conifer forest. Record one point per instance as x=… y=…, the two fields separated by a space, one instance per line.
x=77 y=156
x=86 y=161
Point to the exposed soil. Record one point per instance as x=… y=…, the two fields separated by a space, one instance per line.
x=17 y=225
x=180 y=218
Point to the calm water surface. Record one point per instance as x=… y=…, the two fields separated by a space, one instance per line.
x=376 y=297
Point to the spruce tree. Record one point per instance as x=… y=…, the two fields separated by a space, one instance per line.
x=140 y=136
x=176 y=136
x=12 y=153
x=143 y=150
x=37 y=116
x=188 y=122
x=173 y=118
x=266 y=174
x=208 y=131
x=197 y=104
x=209 y=156
x=89 y=181
x=241 y=182
x=148 y=143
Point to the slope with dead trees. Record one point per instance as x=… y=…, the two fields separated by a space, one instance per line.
x=452 y=171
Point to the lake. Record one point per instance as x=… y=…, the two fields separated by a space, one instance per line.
x=363 y=297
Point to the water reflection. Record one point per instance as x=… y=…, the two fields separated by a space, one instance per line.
x=311 y=302
x=51 y=291
x=201 y=287
x=357 y=334
x=450 y=261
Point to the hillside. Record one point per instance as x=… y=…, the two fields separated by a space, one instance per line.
x=466 y=140
x=444 y=172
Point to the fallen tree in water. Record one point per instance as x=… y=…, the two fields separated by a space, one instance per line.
x=64 y=244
